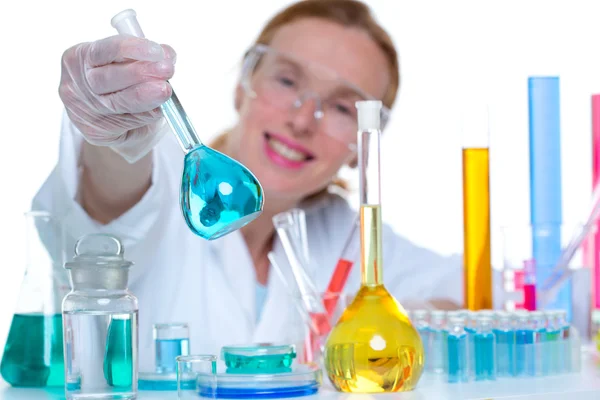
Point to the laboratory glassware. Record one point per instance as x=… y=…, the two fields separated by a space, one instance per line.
x=476 y=211
x=438 y=342
x=545 y=182
x=289 y=226
x=259 y=358
x=170 y=341
x=33 y=354
x=505 y=344
x=457 y=349
x=374 y=346
x=349 y=254
x=485 y=349
x=218 y=194
x=100 y=322
x=189 y=369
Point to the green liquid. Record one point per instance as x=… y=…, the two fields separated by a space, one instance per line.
x=118 y=360
x=33 y=355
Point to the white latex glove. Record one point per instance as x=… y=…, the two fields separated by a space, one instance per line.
x=112 y=88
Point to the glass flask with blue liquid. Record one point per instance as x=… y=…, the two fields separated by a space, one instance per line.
x=100 y=323
x=33 y=353
x=218 y=194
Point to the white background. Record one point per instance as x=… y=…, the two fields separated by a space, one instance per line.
x=451 y=53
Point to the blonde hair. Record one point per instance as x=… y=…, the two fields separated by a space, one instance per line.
x=348 y=13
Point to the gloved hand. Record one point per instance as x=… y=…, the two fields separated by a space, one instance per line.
x=112 y=88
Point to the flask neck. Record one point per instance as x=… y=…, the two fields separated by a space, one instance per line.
x=103 y=279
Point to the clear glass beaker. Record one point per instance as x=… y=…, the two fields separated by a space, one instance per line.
x=33 y=354
x=100 y=318
x=170 y=341
x=196 y=376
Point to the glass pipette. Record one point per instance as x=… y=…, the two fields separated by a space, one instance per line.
x=218 y=194
x=561 y=272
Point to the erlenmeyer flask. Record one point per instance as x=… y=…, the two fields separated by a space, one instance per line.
x=374 y=346
x=218 y=194
x=33 y=354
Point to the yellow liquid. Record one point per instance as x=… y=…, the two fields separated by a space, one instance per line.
x=374 y=347
x=476 y=215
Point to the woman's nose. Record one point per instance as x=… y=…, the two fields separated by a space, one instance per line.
x=305 y=114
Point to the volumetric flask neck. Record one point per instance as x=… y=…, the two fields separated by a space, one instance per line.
x=99 y=264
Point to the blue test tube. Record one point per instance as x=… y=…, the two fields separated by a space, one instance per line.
x=485 y=349
x=437 y=342
x=421 y=324
x=545 y=182
x=504 y=331
x=457 y=348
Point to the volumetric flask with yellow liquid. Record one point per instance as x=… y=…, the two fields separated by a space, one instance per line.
x=33 y=354
x=374 y=346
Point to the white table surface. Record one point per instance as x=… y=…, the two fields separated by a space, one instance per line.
x=582 y=386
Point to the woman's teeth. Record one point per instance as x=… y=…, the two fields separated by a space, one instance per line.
x=284 y=151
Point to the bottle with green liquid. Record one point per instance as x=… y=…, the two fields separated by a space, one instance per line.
x=100 y=317
x=33 y=354
x=374 y=347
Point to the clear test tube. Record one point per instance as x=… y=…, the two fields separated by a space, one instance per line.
x=196 y=375
x=170 y=340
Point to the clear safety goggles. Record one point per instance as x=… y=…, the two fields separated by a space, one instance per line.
x=288 y=83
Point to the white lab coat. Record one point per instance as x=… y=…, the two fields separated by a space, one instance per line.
x=180 y=277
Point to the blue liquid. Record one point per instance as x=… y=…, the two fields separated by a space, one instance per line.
x=484 y=356
x=470 y=350
x=167 y=350
x=505 y=353
x=457 y=358
x=118 y=359
x=33 y=355
x=523 y=347
x=218 y=194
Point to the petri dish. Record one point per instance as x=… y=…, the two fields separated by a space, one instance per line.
x=305 y=380
x=259 y=358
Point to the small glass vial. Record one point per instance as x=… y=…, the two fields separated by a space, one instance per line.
x=100 y=322
x=485 y=346
x=505 y=344
x=457 y=349
x=438 y=344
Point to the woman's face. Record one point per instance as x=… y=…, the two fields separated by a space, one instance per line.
x=292 y=153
